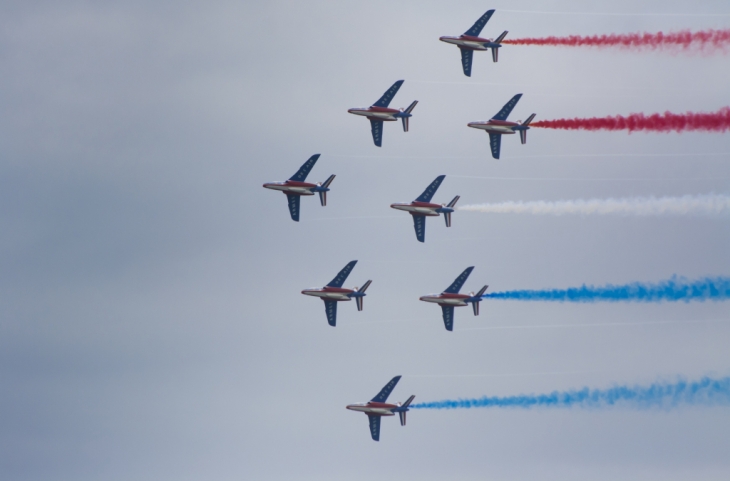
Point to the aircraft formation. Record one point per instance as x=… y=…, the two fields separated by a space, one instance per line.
x=378 y=113
x=422 y=207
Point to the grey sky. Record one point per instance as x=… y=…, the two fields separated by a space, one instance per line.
x=151 y=325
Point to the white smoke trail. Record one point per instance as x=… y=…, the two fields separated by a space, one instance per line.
x=706 y=205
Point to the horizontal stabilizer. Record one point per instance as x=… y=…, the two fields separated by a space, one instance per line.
x=411 y=107
x=405 y=123
x=323 y=197
x=529 y=119
x=454 y=201
x=408 y=401
x=329 y=180
x=402 y=415
x=495 y=54
x=447 y=218
x=365 y=287
x=523 y=136
x=481 y=291
x=475 y=306
x=501 y=37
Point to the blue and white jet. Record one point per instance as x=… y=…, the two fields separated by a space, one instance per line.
x=376 y=408
x=295 y=187
x=379 y=113
x=422 y=208
x=333 y=293
x=451 y=298
x=498 y=126
x=470 y=41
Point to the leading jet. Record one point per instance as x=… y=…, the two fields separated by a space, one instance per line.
x=422 y=208
x=379 y=113
x=376 y=408
x=451 y=298
x=470 y=41
x=333 y=293
x=295 y=187
x=498 y=126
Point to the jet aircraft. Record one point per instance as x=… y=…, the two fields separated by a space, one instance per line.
x=451 y=298
x=470 y=41
x=295 y=187
x=333 y=293
x=376 y=408
x=379 y=113
x=422 y=207
x=498 y=126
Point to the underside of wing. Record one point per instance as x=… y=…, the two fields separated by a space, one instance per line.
x=293 y=201
x=330 y=308
x=476 y=29
x=374 y=427
x=448 y=312
x=494 y=142
x=384 y=101
x=376 y=127
x=419 y=224
x=466 y=58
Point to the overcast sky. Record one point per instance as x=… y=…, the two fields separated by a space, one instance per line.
x=151 y=321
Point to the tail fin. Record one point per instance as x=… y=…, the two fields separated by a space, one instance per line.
x=475 y=305
x=402 y=414
x=501 y=37
x=359 y=299
x=323 y=193
x=406 y=118
x=523 y=132
x=454 y=201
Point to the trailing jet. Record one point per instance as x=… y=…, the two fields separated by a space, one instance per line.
x=498 y=126
x=379 y=113
x=295 y=187
x=470 y=41
x=451 y=298
x=422 y=208
x=333 y=293
x=376 y=408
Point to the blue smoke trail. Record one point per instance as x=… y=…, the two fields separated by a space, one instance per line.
x=706 y=391
x=674 y=289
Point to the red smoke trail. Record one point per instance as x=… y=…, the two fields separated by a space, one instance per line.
x=684 y=40
x=667 y=122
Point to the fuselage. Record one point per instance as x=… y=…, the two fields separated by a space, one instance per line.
x=470 y=43
x=373 y=408
x=383 y=114
x=419 y=208
x=292 y=187
x=330 y=293
x=447 y=299
x=495 y=126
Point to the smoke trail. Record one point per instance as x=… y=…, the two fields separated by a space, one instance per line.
x=707 y=205
x=704 y=40
x=706 y=392
x=667 y=122
x=673 y=290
